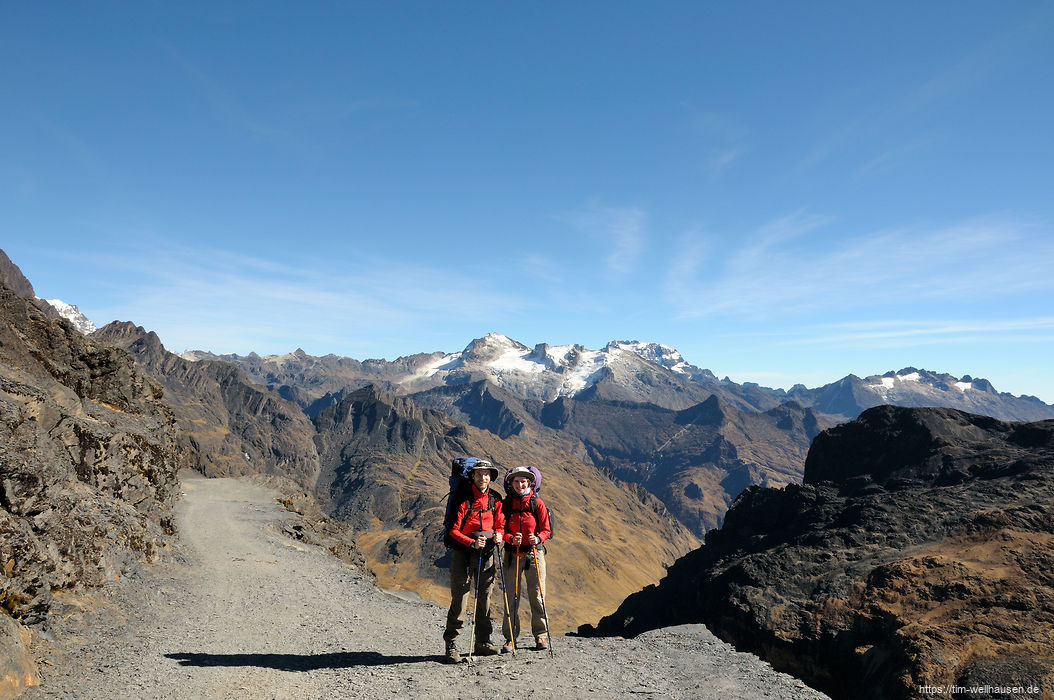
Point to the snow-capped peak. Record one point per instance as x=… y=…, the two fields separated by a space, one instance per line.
x=548 y=371
x=895 y=386
x=71 y=313
x=656 y=353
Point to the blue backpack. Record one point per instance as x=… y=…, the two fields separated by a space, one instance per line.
x=461 y=490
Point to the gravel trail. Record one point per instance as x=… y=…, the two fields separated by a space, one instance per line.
x=255 y=614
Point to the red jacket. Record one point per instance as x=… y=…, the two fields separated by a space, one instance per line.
x=521 y=519
x=474 y=516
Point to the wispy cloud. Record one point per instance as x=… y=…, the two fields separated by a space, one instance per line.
x=620 y=229
x=907 y=110
x=230 y=302
x=723 y=141
x=905 y=332
x=228 y=109
x=775 y=272
x=892 y=157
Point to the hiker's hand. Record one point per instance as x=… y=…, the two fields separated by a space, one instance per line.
x=534 y=539
x=481 y=542
x=518 y=539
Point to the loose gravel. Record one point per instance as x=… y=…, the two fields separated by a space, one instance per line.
x=251 y=613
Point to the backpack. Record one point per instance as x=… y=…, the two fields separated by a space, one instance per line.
x=507 y=503
x=460 y=491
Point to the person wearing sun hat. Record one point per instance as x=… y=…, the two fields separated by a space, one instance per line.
x=477 y=525
x=527 y=527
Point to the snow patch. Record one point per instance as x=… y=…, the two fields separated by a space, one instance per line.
x=583 y=375
x=71 y=313
x=444 y=363
x=888 y=383
x=516 y=360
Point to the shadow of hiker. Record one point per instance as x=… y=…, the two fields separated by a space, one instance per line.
x=300 y=662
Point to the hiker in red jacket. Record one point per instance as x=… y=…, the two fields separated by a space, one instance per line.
x=526 y=528
x=478 y=525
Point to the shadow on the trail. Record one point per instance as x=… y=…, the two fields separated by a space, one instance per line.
x=300 y=662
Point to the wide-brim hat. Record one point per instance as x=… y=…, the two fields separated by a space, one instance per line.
x=484 y=464
x=520 y=471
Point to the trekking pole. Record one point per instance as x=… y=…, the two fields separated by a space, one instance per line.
x=545 y=614
x=516 y=583
x=475 y=596
x=505 y=594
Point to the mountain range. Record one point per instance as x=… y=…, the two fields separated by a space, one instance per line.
x=636 y=410
x=644 y=454
x=621 y=371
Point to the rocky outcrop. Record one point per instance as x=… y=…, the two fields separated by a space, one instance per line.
x=87 y=465
x=919 y=551
x=228 y=424
x=12 y=278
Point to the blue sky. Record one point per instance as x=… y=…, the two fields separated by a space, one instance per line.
x=784 y=192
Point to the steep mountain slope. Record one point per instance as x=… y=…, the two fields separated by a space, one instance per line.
x=87 y=468
x=696 y=460
x=229 y=425
x=385 y=466
x=12 y=278
x=918 y=552
x=483 y=405
x=310 y=377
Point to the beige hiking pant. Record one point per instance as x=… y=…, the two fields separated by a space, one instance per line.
x=519 y=569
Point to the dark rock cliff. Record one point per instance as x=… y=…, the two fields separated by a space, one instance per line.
x=87 y=465
x=919 y=551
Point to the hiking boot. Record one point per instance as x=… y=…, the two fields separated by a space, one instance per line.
x=485 y=649
x=452 y=657
x=506 y=647
x=541 y=642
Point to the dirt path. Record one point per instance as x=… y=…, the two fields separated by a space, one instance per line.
x=254 y=614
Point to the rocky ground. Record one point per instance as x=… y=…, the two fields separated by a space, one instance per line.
x=251 y=613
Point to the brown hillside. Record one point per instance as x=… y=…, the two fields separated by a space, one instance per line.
x=386 y=463
x=228 y=424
